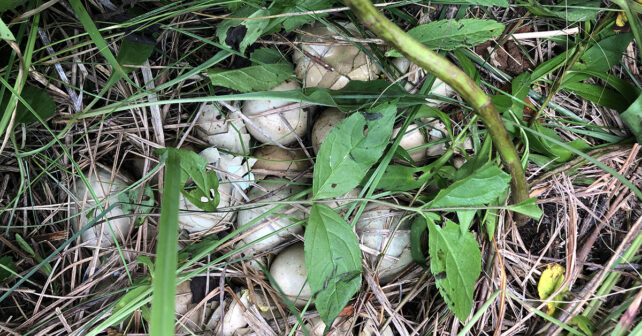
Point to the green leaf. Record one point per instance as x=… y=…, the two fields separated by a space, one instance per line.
x=27 y=248
x=632 y=118
x=205 y=195
x=145 y=260
x=417 y=229
x=7 y=268
x=5 y=32
x=129 y=202
x=453 y=34
x=252 y=78
x=527 y=207
x=605 y=54
x=498 y=3
x=39 y=101
x=267 y=56
x=255 y=27
x=133 y=53
x=584 y=324
x=480 y=188
x=567 y=10
x=403 y=178
x=132 y=295
x=347 y=153
x=333 y=261
x=455 y=261
x=292 y=22
x=164 y=285
x=10 y=4
x=598 y=94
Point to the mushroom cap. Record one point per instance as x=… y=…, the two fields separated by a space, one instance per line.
x=375 y=229
x=279 y=159
x=345 y=62
x=220 y=132
x=289 y=272
x=271 y=125
x=411 y=139
x=266 y=226
x=324 y=124
x=105 y=189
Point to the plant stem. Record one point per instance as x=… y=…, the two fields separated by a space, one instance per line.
x=456 y=78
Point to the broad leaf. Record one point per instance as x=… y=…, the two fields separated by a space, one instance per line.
x=480 y=188
x=133 y=53
x=39 y=101
x=253 y=78
x=347 y=153
x=254 y=26
x=5 y=32
x=292 y=22
x=333 y=261
x=7 y=268
x=605 y=54
x=453 y=34
x=598 y=94
x=455 y=262
x=527 y=207
x=567 y=10
x=403 y=178
x=632 y=118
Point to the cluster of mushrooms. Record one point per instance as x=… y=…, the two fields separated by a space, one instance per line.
x=276 y=167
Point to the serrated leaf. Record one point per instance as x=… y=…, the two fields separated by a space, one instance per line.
x=632 y=118
x=333 y=261
x=453 y=34
x=253 y=78
x=347 y=153
x=481 y=187
x=527 y=207
x=549 y=282
x=455 y=262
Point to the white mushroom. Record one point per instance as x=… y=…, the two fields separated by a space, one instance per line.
x=376 y=231
x=114 y=223
x=341 y=326
x=370 y=329
x=277 y=159
x=324 y=124
x=264 y=127
x=332 y=65
x=436 y=132
x=415 y=73
x=223 y=133
x=268 y=225
x=290 y=274
x=193 y=219
x=234 y=319
x=184 y=305
x=412 y=139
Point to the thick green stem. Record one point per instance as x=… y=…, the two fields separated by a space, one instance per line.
x=456 y=78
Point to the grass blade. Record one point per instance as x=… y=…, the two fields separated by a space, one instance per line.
x=164 y=284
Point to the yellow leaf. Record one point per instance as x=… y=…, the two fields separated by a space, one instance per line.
x=621 y=19
x=550 y=281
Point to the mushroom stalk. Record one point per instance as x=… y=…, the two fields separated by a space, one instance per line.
x=456 y=78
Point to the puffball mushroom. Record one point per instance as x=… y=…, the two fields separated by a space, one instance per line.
x=415 y=73
x=324 y=124
x=105 y=188
x=281 y=160
x=198 y=220
x=184 y=304
x=316 y=327
x=234 y=319
x=376 y=231
x=272 y=125
x=220 y=132
x=268 y=225
x=289 y=273
x=335 y=64
x=411 y=139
